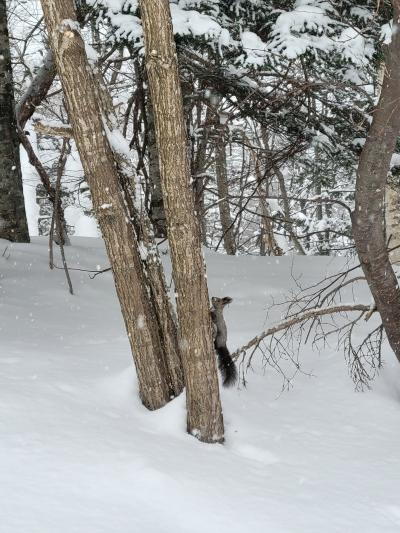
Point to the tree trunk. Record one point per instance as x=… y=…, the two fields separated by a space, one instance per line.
x=30 y=100
x=157 y=212
x=199 y=169
x=368 y=215
x=150 y=257
x=204 y=414
x=268 y=243
x=322 y=250
x=93 y=143
x=286 y=211
x=223 y=191
x=223 y=196
x=13 y=223
x=392 y=220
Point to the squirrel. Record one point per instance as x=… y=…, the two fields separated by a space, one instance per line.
x=225 y=362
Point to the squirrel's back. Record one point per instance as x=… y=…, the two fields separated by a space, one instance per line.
x=225 y=362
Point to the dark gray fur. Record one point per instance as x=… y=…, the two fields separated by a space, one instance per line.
x=220 y=333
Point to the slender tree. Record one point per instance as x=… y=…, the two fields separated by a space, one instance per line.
x=13 y=223
x=221 y=171
x=93 y=140
x=204 y=414
x=368 y=215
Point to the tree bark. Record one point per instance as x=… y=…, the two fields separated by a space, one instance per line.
x=199 y=169
x=150 y=257
x=93 y=143
x=204 y=414
x=268 y=243
x=392 y=220
x=13 y=223
x=368 y=215
x=157 y=212
x=286 y=211
x=223 y=191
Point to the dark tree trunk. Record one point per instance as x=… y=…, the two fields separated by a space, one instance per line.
x=202 y=394
x=13 y=223
x=368 y=215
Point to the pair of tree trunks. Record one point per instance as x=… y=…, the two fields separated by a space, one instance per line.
x=80 y=91
x=92 y=136
x=150 y=257
x=13 y=223
x=374 y=165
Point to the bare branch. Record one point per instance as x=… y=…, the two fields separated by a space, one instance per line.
x=303 y=317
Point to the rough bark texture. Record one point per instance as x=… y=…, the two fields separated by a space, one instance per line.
x=80 y=91
x=368 y=227
x=157 y=212
x=199 y=169
x=204 y=414
x=151 y=263
x=392 y=219
x=13 y=223
x=223 y=192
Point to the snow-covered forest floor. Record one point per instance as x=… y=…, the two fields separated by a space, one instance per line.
x=80 y=454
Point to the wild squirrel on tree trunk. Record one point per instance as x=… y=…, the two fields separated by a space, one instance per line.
x=225 y=363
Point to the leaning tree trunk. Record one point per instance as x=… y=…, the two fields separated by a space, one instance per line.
x=368 y=215
x=150 y=256
x=13 y=223
x=93 y=144
x=202 y=394
x=30 y=100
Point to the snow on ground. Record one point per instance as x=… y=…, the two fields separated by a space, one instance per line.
x=80 y=454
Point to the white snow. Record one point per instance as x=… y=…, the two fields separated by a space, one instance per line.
x=117 y=141
x=80 y=454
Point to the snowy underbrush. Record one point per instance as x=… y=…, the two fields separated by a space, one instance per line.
x=80 y=454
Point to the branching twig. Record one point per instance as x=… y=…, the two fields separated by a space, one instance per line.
x=302 y=317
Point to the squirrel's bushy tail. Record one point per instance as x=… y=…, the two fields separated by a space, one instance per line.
x=226 y=366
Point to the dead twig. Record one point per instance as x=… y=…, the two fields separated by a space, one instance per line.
x=302 y=317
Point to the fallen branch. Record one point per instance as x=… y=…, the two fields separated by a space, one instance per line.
x=310 y=313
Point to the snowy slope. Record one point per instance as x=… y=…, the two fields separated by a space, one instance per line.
x=79 y=453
